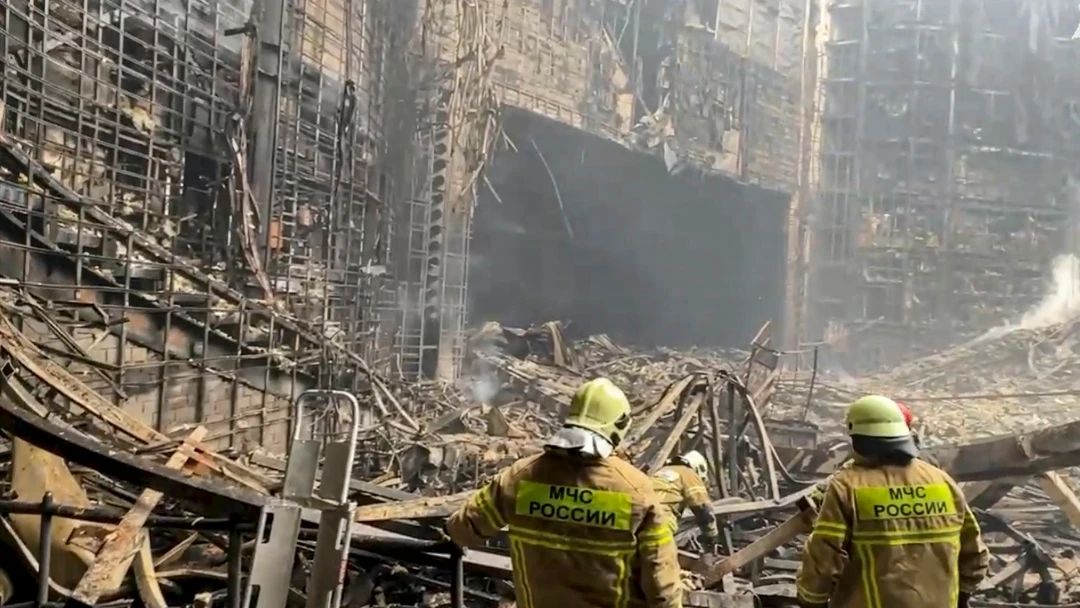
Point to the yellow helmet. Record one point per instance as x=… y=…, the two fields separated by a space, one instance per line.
x=697 y=462
x=876 y=416
x=602 y=408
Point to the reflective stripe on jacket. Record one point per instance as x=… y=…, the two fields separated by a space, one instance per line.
x=818 y=493
x=583 y=533
x=889 y=536
x=679 y=488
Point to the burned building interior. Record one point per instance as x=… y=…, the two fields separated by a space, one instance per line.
x=623 y=247
x=946 y=177
x=455 y=211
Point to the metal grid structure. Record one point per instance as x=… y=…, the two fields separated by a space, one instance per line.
x=949 y=145
x=737 y=116
x=325 y=250
x=208 y=251
x=419 y=343
x=435 y=259
x=451 y=143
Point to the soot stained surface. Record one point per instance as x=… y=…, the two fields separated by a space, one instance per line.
x=648 y=258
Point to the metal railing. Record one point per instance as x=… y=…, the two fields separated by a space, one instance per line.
x=48 y=510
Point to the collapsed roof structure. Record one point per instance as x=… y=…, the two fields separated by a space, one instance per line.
x=209 y=208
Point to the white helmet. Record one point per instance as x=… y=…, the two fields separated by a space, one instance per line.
x=696 y=461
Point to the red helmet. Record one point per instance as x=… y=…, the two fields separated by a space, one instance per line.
x=908 y=416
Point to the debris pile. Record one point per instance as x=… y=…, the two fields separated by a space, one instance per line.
x=166 y=510
x=134 y=515
x=1029 y=512
x=1006 y=381
x=1000 y=383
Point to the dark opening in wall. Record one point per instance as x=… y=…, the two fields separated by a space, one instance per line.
x=648 y=258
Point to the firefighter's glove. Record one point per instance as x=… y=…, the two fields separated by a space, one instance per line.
x=445 y=538
x=444 y=535
x=709 y=543
x=962 y=600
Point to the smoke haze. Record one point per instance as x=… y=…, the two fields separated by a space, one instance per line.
x=1061 y=303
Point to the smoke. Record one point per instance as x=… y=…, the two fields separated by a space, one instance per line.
x=1061 y=303
x=484 y=387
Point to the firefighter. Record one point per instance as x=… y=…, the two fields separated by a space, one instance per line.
x=892 y=530
x=909 y=420
x=680 y=485
x=585 y=527
x=818 y=493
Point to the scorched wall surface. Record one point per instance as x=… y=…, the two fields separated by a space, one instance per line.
x=185 y=265
x=947 y=182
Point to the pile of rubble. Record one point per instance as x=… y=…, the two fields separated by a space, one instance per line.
x=1000 y=383
x=1006 y=381
x=182 y=519
x=171 y=520
x=1004 y=384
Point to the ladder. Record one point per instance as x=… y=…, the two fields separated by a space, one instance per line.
x=309 y=486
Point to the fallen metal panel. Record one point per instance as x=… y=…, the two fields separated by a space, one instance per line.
x=202 y=495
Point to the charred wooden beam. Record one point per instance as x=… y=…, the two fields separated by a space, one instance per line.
x=200 y=495
x=985 y=494
x=994 y=458
x=758 y=549
x=673 y=437
x=113 y=560
x=420 y=508
x=1060 y=492
x=668 y=401
x=479 y=561
x=1019 y=455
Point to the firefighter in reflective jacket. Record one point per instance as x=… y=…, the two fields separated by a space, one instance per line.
x=680 y=485
x=585 y=526
x=892 y=530
x=818 y=493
